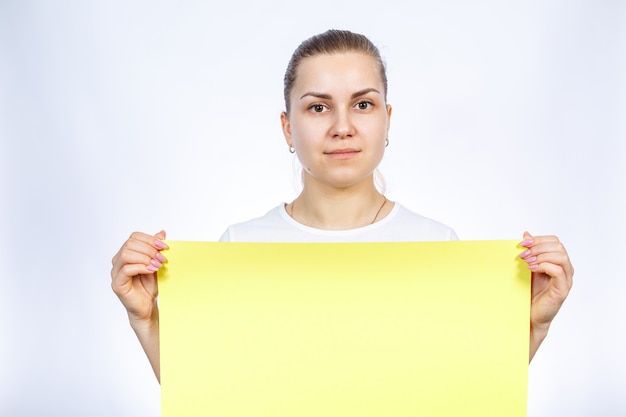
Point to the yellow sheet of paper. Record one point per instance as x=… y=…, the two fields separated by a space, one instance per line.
x=344 y=329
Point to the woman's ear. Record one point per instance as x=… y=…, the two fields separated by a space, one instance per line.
x=286 y=126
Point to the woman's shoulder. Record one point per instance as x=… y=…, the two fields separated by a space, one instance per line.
x=256 y=229
x=403 y=224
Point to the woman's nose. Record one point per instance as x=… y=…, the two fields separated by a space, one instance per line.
x=343 y=126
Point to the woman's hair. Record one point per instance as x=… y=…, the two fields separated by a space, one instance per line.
x=331 y=42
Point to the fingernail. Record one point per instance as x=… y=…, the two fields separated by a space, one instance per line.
x=160 y=245
x=531 y=259
x=160 y=257
x=152 y=268
x=526 y=242
x=156 y=263
x=533 y=267
x=524 y=254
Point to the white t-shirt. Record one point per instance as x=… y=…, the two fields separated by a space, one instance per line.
x=400 y=225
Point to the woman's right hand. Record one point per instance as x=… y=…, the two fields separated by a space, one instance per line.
x=133 y=276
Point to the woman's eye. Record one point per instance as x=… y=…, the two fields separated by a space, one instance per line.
x=363 y=105
x=318 y=108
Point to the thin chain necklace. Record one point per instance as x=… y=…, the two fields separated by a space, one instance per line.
x=372 y=222
x=379 y=209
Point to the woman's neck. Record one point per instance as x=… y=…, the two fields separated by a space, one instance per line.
x=339 y=209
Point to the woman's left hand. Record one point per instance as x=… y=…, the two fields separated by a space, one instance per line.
x=551 y=282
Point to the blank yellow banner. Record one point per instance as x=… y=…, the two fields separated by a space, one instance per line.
x=344 y=329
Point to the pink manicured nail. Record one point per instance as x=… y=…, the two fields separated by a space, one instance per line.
x=531 y=259
x=533 y=267
x=156 y=263
x=160 y=257
x=524 y=254
x=160 y=245
x=152 y=268
x=526 y=242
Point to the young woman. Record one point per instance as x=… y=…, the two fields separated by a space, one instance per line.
x=336 y=121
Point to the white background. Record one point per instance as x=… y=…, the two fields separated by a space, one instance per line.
x=118 y=116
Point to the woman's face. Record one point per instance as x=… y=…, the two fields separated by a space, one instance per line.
x=338 y=120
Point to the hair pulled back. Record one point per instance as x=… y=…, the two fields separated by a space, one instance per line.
x=330 y=42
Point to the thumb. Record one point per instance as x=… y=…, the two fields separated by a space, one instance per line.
x=160 y=235
x=527 y=240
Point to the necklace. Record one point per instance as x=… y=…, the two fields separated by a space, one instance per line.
x=290 y=211
x=379 y=209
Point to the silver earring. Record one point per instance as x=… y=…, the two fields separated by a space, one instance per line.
x=292 y=149
x=386 y=142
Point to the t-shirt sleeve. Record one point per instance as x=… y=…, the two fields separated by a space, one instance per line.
x=226 y=236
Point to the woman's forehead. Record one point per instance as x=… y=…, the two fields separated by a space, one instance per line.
x=332 y=71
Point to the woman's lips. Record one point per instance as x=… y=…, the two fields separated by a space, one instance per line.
x=342 y=153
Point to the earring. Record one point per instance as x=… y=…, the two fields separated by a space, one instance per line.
x=292 y=149
x=386 y=142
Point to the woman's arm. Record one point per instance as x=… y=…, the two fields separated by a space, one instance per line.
x=148 y=334
x=134 y=281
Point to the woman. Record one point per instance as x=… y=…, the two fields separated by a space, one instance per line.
x=336 y=121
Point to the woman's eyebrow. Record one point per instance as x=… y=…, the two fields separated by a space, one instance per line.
x=329 y=97
x=317 y=95
x=364 y=92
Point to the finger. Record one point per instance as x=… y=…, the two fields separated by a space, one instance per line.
x=132 y=264
x=549 y=246
x=560 y=280
x=543 y=246
x=538 y=240
x=154 y=241
x=128 y=256
x=136 y=241
x=530 y=240
x=136 y=251
x=122 y=281
x=556 y=258
x=146 y=244
x=546 y=247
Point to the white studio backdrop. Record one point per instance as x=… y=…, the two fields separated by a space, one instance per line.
x=121 y=116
